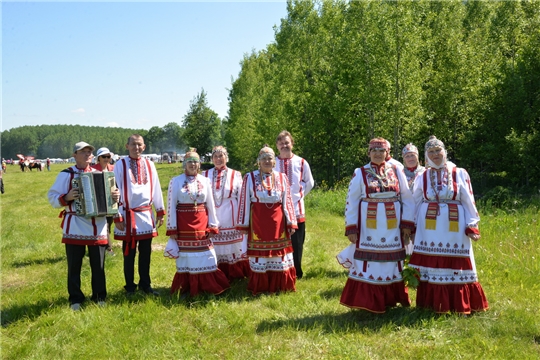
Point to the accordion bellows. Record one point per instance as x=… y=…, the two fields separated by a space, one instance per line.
x=95 y=197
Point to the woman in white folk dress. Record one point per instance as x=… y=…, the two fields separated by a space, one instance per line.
x=191 y=221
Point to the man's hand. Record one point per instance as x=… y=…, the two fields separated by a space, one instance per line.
x=120 y=225
x=159 y=220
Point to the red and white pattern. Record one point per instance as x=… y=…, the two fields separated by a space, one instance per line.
x=266 y=212
x=77 y=230
x=230 y=244
x=300 y=180
x=140 y=189
x=375 y=262
x=189 y=226
x=445 y=259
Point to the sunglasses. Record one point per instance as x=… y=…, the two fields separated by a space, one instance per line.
x=106 y=156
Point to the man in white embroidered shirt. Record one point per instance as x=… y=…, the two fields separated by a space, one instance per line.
x=139 y=186
x=301 y=182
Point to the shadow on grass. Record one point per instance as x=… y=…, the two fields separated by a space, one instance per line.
x=45 y=261
x=28 y=312
x=354 y=320
x=320 y=272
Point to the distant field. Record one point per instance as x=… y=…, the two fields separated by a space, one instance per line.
x=308 y=324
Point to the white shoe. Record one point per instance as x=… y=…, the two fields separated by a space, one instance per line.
x=101 y=304
x=76 y=307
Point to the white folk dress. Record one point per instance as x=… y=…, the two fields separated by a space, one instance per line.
x=266 y=212
x=379 y=204
x=191 y=218
x=443 y=253
x=230 y=244
x=411 y=174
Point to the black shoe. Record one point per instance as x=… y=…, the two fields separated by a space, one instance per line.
x=151 y=291
x=130 y=294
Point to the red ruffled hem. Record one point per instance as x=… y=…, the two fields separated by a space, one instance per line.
x=272 y=281
x=458 y=298
x=238 y=270
x=374 y=298
x=440 y=262
x=214 y=282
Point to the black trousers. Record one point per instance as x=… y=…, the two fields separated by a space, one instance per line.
x=75 y=255
x=145 y=252
x=297 y=240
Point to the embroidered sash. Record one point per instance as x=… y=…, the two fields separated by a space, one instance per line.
x=389 y=207
x=453 y=214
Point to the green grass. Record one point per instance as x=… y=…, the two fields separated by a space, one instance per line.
x=308 y=324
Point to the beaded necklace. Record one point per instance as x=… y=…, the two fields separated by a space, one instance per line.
x=193 y=191
x=272 y=182
x=438 y=188
x=382 y=179
x=222 y=177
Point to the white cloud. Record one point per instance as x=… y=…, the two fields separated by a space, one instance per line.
x=113 y=124
x=79 y=110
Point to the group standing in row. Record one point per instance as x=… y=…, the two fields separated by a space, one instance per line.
x=387 y=206
x=221 y=227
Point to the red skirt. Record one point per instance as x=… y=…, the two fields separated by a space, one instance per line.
x=214 y=282
x=272 y=281
x=374 y=298
x=459 y=298
x=238 y=270
x=462 y=298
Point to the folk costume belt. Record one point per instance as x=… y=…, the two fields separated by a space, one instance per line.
x=389 y=207
x=433 y=211
x=131 y=226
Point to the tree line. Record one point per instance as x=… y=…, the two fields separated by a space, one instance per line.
x=339 y=73
x=342 y=72
x=201 y=127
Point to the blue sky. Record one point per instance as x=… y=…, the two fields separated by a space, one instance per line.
x=126 y=64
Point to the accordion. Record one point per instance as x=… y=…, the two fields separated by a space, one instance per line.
x=95 y=197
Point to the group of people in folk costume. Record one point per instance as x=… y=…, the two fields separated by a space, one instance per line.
x=388 y=205
x=211 y=244
x=223 y=227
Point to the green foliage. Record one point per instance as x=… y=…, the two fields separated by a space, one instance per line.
x=342 y=72
x=56 y=141
x=202 y=125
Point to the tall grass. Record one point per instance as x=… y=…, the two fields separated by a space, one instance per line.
x=308 y=324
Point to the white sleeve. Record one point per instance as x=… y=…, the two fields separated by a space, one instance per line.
x=352 y=207
x=307 y=180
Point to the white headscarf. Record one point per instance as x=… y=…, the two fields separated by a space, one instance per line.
x=433 y=142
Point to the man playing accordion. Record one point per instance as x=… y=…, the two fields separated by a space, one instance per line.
x=80 y=231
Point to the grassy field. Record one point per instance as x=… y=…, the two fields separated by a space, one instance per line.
x=37 y=322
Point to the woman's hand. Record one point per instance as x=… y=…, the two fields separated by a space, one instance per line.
x=353 y=238
x=406 y=236
x=474 y=237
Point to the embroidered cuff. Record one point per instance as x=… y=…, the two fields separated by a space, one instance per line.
x=161 y=212
x=405 y=224
x=472 y=230
x=118 y=219
x=352 y=229
x=295 y=227
x=63 y=201
x=171 y=232
x=241 y=227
